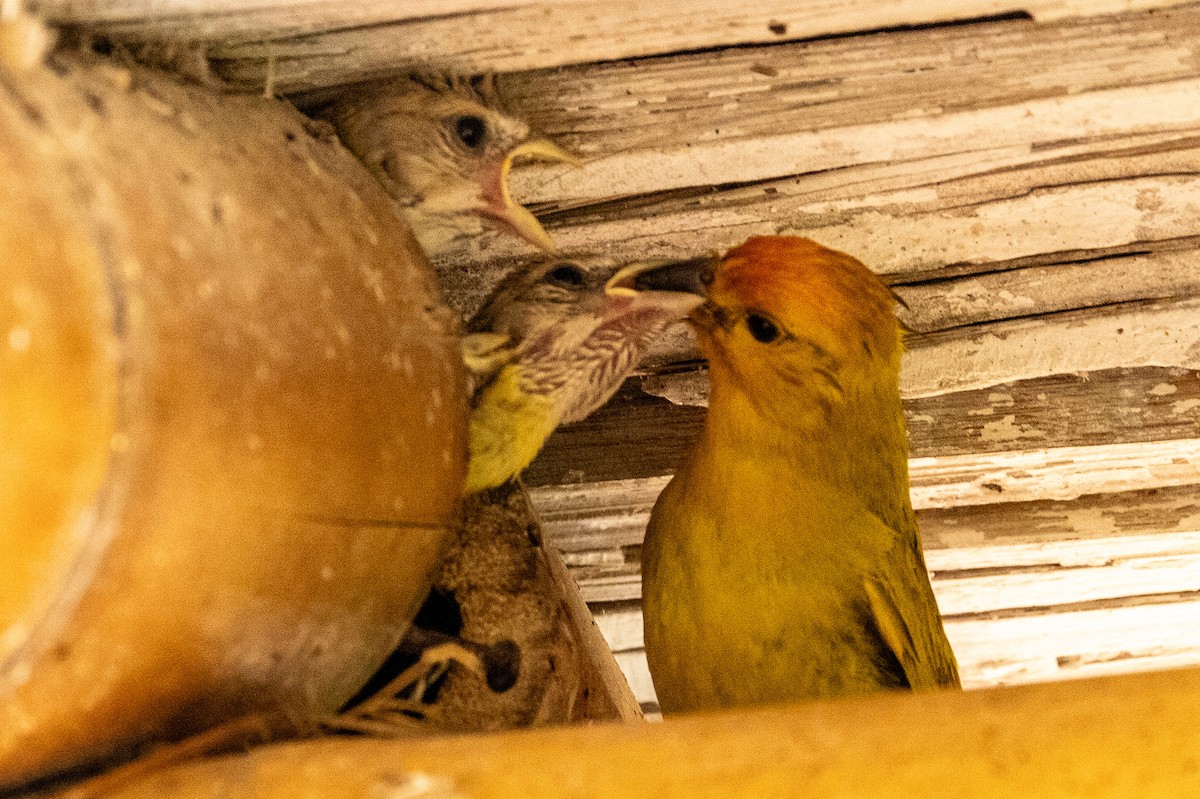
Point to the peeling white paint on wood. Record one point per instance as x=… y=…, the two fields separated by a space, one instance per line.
x=1140 y=334
x=1000 y=134
x=1019 y=215
x=239 y=19
x=1096 y=200
x=605 y=109
x=1072 y=575
x=1034 y=290
x=551 y=34
x=1047 y=537
x=608 y=517
x=1163 y=333
x=1061 y=473
x=1009 y=651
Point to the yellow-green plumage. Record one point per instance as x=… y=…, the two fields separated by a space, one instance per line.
x=508 y=427
x=783 y=559
x=552 y=344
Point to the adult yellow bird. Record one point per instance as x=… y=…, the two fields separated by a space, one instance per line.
x=442 y=146
x=782 y=561
x=553 y=343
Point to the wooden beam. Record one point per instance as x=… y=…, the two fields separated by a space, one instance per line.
x=213 y=20
x=1106 y=739
x=753 y=114
x=1109 y=637
x=641 y=435
x=605 y=558
x=908 y=219
x=553 y=34
x=1032 y=612
x=608 y=549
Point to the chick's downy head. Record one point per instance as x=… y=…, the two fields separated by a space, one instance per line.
x=442 y=147
x=578 y=327
x=786 y=314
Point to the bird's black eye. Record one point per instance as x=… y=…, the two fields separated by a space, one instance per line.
x=762 y=328
x=470 y=130
x=567 y=276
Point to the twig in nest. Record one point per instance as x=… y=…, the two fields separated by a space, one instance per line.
x=401 y=699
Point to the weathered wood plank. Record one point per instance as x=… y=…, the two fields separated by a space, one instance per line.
x=641 y=435
x=1136 y=190
x=1056 y=646
x=1105 y=739
x=914 y=222
x=191 y=20
x=1137 y=608
x=1008 y=582
x=1045 y=522
x=1060 y=473
x=946 y=303
x=1133 y=334
x=1127 y=335
x=1089 y=529
x=552 y=34
x=759 y=113
x=610 y=551
x=1125 y=489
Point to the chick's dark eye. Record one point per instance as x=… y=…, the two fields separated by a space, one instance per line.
x=470 y=130
x=567 y=276
x=762 y=328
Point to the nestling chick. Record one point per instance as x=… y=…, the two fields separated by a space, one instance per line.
x=783 y=560
x=442 y=147
x=552 y=344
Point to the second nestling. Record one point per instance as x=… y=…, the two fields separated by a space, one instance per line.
x=554 y=342
x=551 y=345
x=442 y=147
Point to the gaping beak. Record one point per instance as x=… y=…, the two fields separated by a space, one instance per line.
x=543 y=150
x=504 y=212
x=681 y=285
x=680 y=277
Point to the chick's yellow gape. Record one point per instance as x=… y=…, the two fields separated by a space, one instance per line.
x=783 y=561
x=442 y=146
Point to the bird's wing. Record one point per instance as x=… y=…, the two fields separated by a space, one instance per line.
x=907 y=616
x=485 y=354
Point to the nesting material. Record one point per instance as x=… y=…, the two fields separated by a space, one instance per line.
x=509 y=594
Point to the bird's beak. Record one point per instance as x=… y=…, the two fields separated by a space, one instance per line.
x=504 y=212
x=543 y=150
x=679 y=277
x=679 y=284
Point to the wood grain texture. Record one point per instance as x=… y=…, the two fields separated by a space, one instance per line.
x=1104 y=739
x=1062 y=644
x=908 y=220
x=604 y=554
x=606 y=696
x=553 y=34
x=288 y=414
x=1026 y=613
x=751 y=114
x=641 y=435
x=239 y=19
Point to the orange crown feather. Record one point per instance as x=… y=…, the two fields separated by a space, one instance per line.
x=803 y=284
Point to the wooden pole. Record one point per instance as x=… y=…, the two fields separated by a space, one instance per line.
x=232 y=416
x=1115 y=737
